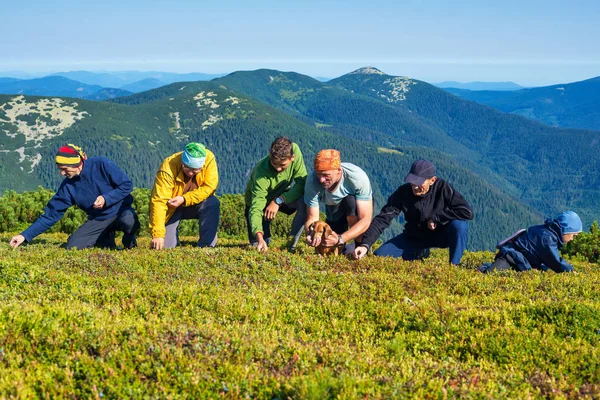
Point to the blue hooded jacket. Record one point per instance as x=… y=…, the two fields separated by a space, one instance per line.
x=538 y=246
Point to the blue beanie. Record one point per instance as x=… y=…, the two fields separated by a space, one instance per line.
x=569 y=222
x=194 y=155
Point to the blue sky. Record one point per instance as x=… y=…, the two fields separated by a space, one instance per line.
x=528 y=42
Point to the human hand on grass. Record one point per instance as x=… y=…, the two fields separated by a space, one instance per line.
x=262 y=244
x=360 y=252
x=16 y=241
x=157 y=243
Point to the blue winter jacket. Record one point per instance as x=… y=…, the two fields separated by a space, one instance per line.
x=99 y=176
x=538 y=248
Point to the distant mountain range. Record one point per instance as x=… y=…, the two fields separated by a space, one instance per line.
x=499 y=86
x=108 y=93
x=143 y=85
x=119 y=79
x=574 y=105
x=85 y=84
x=48 y=86
x=512 y=170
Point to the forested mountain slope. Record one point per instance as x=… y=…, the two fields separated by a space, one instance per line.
x=236 y=128
x=570 y=105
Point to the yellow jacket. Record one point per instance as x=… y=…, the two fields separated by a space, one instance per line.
x=170 y=182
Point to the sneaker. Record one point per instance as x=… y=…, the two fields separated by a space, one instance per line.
x=485 y=268
x=129 y=242
x=422 y=254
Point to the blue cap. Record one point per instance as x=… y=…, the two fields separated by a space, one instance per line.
x=194 y=155
x=569 y=222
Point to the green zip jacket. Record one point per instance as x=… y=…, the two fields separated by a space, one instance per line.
x=265 y=184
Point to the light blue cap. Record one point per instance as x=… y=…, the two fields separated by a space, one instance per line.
x=569 y=222
x=194 y=155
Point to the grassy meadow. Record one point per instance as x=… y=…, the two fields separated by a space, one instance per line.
x=232 y=323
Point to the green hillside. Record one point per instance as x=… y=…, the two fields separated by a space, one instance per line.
x=570 y=105
x=553 y=169
x=355 y=116
x=317 y=102
x=48 y=86
x=237 y=129
x=108 y=93
x=233 y=323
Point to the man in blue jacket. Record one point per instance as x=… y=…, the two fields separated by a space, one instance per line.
x=537 y=247
x=98 y=187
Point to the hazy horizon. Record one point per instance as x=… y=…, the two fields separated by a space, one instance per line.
x=533 y=43
x=21 y=74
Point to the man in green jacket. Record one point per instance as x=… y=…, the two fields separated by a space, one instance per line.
x=276 y=184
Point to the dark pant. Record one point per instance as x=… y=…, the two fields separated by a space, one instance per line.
x=347 y=208
x=501 y=263
x=102 y=233
x=297 y=207
x=453 y=235
x=208 y=215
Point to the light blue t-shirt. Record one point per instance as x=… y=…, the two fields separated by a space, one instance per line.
x=354 y=182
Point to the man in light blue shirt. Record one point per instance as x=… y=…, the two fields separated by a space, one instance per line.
x=346 y=192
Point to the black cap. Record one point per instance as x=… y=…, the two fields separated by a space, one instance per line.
x=420 y=171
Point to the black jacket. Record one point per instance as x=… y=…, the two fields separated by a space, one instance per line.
x=441 y=204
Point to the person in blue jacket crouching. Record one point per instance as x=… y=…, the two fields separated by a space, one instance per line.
x=98 y=187
x=537 y=247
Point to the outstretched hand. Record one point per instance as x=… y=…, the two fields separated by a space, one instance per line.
x=16 y=241
x=262 y=246
x=157 y=243
x=360 y=252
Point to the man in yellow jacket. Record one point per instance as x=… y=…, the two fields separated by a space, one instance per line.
x=184 y=188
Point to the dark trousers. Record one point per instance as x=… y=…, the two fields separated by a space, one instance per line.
x=208 y=214
x=102 y=233
x=453 y=235
x=297 y=207
x=347 y=208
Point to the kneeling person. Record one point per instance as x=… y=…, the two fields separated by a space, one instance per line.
x=98 y=187
x=184 y=188
x=538 y=246
x=435 y=213
x=276 y=185
x=346 y=191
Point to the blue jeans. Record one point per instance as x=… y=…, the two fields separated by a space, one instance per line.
x=453 y=235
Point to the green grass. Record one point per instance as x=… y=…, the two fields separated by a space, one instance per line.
x=230 y=322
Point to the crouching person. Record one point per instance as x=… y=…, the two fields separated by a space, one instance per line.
x=435 y=213
x=538 y=246
x=276 y=185
x=184 y=188
x=98 y=187
x=346 y=191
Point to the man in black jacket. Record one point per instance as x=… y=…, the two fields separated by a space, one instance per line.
x=436 y=216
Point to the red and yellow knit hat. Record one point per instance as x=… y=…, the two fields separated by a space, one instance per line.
x=70 y=156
